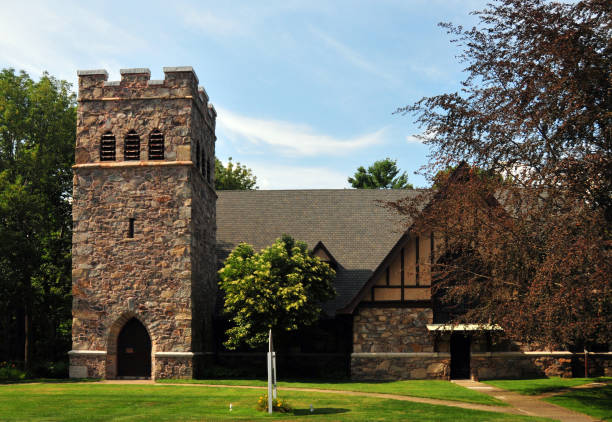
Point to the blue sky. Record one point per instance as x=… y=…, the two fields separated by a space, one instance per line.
x=304 y=90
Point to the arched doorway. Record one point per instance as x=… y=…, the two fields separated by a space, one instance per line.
x=134 y=351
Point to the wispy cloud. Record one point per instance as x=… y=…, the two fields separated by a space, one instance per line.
x=290 y=138
x=352 y=56
x=272 y=176
x=65 y=38
x=419 y=138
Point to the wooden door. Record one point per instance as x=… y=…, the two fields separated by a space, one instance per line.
x=134 y=351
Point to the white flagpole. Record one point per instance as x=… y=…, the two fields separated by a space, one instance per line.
x=270 y=371
x=274 y=375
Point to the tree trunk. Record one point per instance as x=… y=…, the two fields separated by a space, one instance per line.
x=27 y=361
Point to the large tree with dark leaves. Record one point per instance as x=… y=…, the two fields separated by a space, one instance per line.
x=37 y=133
x=526 y=221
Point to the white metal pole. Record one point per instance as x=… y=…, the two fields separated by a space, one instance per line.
x=274 y=374
x=270 y=372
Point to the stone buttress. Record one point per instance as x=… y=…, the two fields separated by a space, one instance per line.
x=143 y=225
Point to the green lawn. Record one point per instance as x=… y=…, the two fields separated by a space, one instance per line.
x=106 y=402
x=532 y=387
x=596 y=402
x=443 y=390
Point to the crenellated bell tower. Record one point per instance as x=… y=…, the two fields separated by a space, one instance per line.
x=143 y=247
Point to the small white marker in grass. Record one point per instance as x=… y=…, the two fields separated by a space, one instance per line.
x=311 y=409
x=231 y=408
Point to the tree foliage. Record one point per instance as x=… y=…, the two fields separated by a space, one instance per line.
x=37 y=134
x=383 y=174
x=280 y=288
x=233 y=177
x=533 y=254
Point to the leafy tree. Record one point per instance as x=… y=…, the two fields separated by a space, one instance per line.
x=383 y=174
x=37 y=135
x=233 y=177
x=533 y=254
x=280 y=288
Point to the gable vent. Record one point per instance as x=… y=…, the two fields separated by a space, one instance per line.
x=156 y=146
x=131 y=148
x=107 y=147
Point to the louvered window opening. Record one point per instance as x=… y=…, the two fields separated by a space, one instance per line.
x=156 y=146
x=107 y=148
x=131 y=150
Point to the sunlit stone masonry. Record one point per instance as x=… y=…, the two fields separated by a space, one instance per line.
x=143 y=270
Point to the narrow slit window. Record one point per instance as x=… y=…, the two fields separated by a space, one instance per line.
x=131 y=147
x=107 y=147
x=198 y=164
x=131 y=228
x=156 y=146
x=204 y=166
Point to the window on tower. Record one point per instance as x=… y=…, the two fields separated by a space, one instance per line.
x=204 y=168
x=131 y=147
x=156 y=145
x=107 y=147
x=198 y=164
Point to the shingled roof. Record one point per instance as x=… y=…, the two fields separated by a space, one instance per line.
x=352 y=224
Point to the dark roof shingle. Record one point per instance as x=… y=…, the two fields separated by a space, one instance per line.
x=352 y=224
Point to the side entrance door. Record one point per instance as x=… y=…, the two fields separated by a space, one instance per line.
x=460 y=356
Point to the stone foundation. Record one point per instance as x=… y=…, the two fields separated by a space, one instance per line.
x=173 y=365
x=538 y=364
x=91 y=365
x=400 y=366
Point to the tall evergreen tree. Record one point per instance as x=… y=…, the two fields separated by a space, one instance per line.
x=383 y=174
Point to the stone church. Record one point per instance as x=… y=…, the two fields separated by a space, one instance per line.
x=150 y=232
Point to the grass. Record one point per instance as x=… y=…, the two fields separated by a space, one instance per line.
x=442 y=390
x=533 y=387
x=98 y=402
x=596 y=402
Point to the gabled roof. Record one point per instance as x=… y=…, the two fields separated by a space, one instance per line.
x=321 y=247
x=355 y=227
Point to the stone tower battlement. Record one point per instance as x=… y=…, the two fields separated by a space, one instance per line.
x=144 y=227
x=174 y=103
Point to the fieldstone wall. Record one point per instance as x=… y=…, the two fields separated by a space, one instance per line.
x=174 y=367
x=393 y=343
x=87 y=366
x=164 y=274
x=521 y=365
x=394 y=330
x=385 y=366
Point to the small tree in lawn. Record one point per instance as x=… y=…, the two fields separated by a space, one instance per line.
x=280 y=288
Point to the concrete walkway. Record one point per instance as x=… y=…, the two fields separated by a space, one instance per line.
x=527 y=405
x=519 y=404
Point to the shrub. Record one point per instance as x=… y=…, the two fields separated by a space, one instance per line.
x=9 y=371
x=278 y=405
